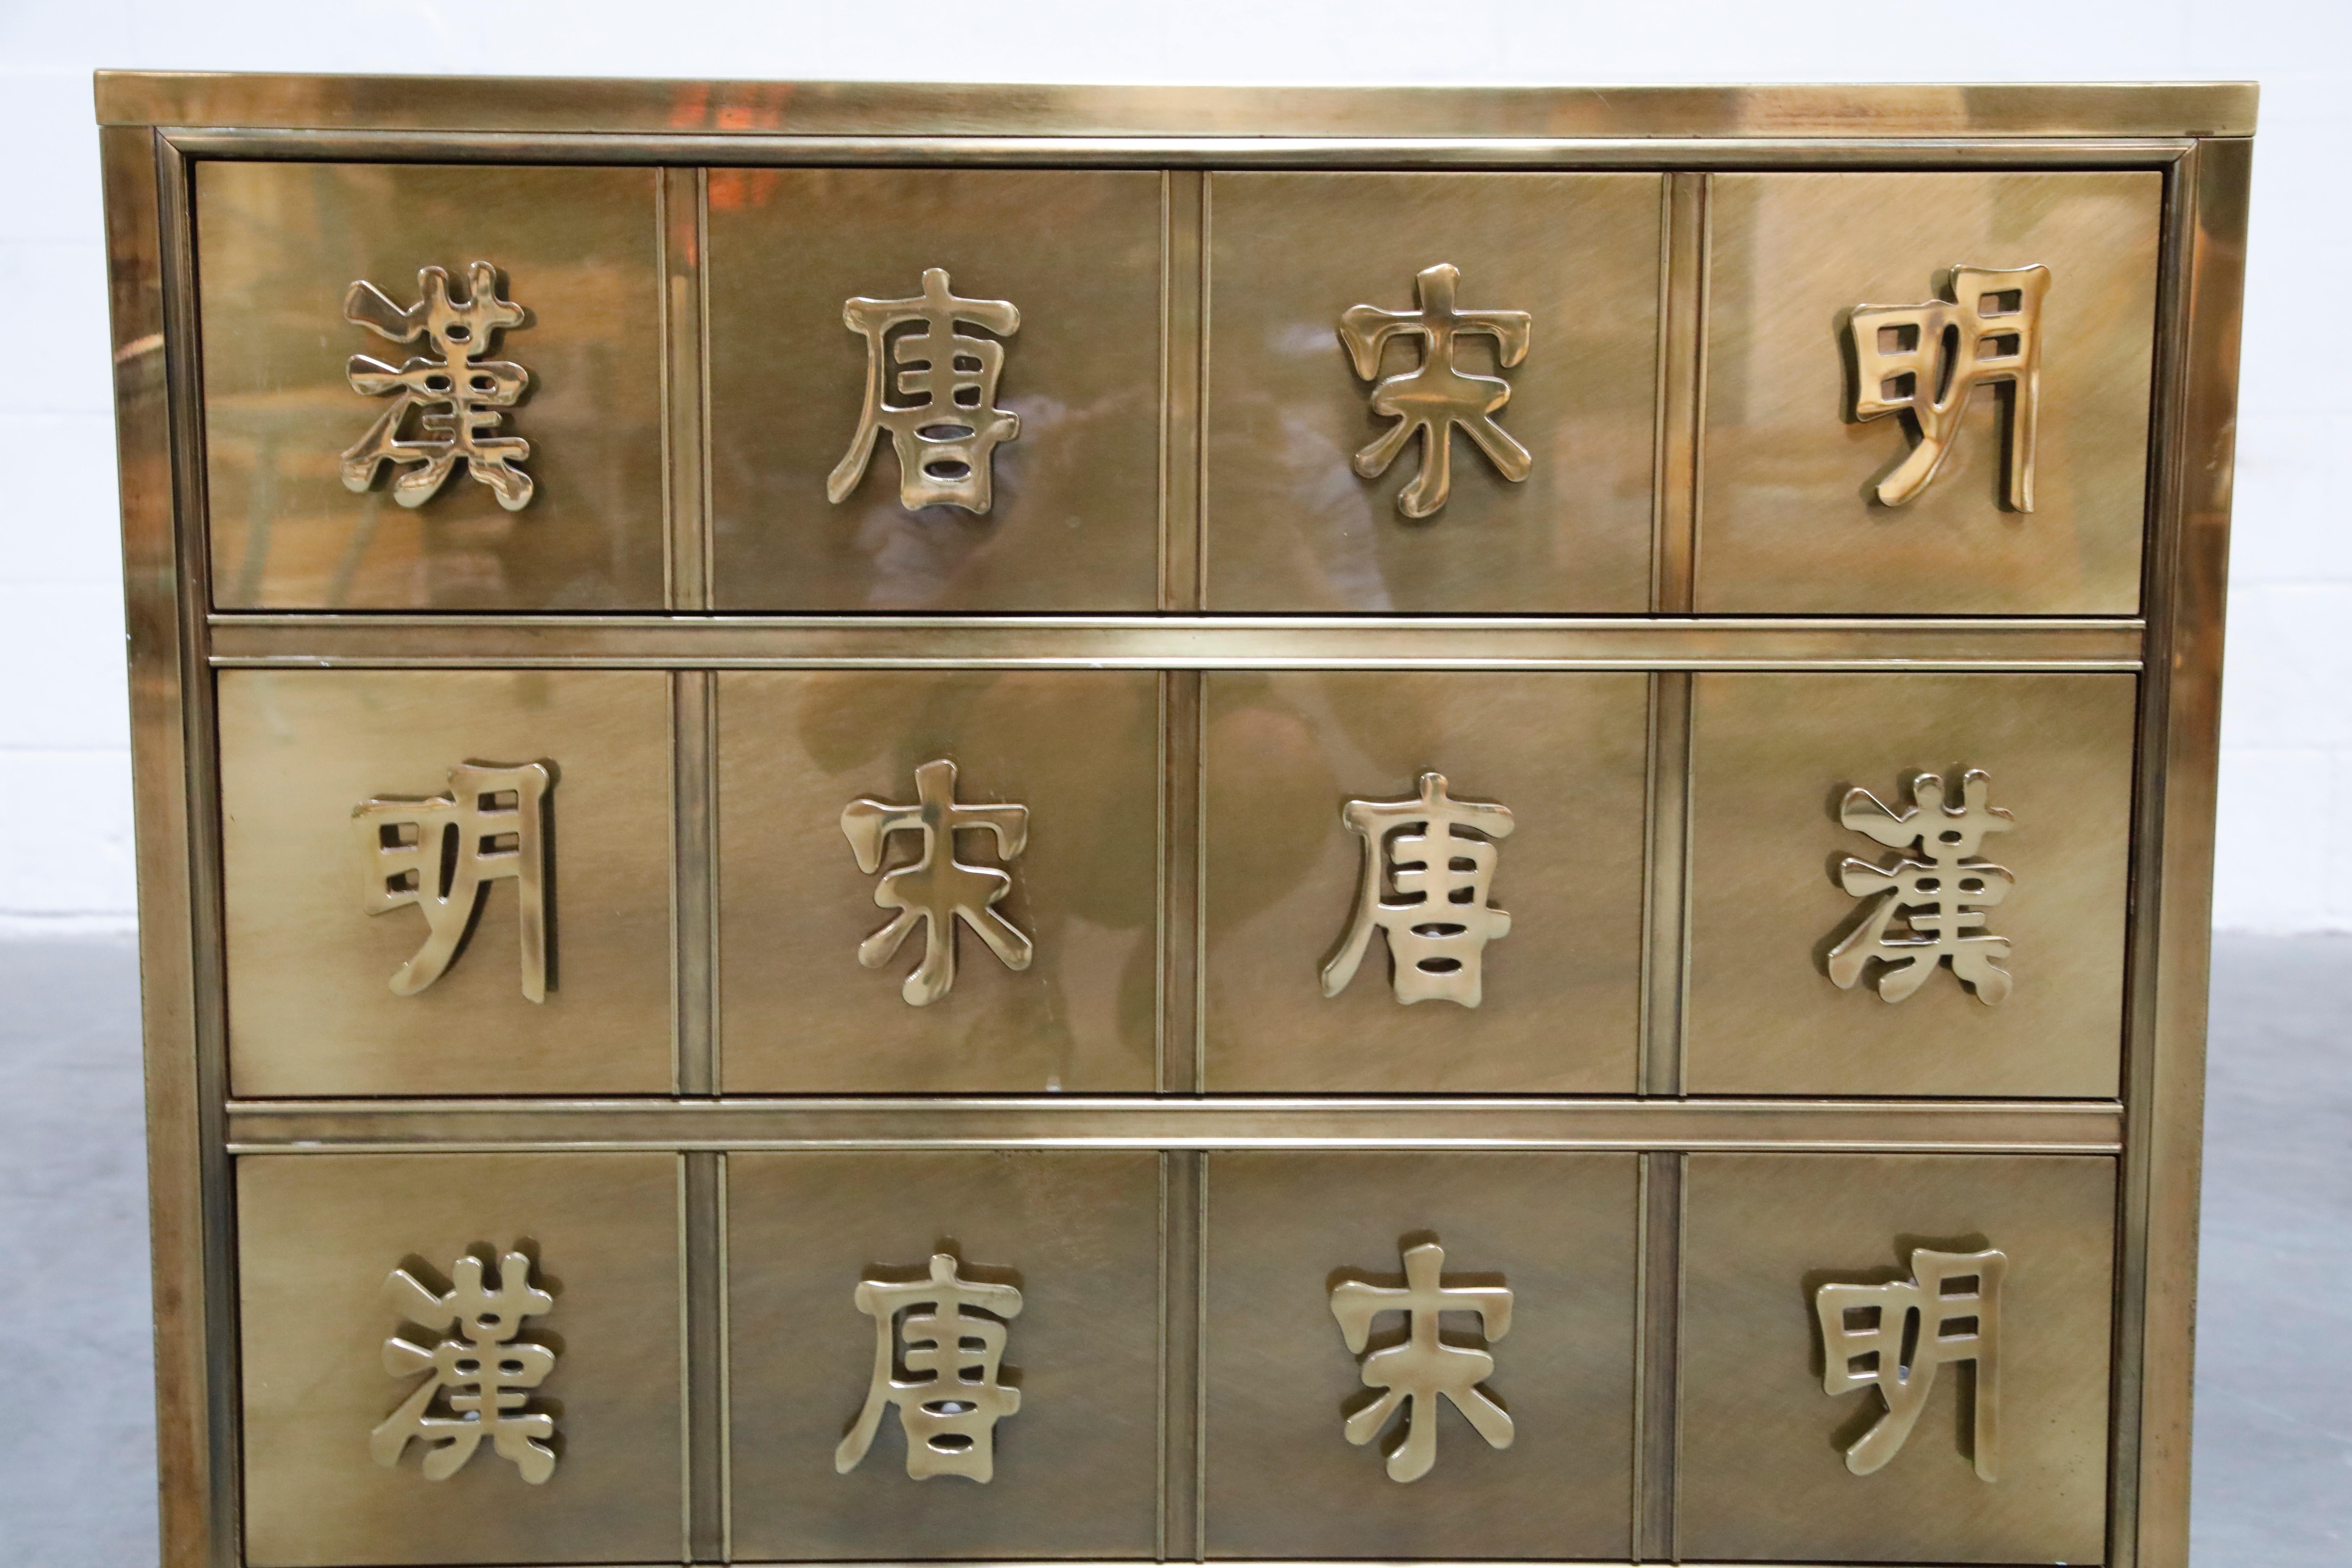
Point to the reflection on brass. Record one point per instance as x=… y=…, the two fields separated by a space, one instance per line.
x=1893 y=1337
x=472 y=390
x=1941 y=899
x=1924 y=362
x=442 y=852
x=950 y=1401
x=935 y=886
x=1412 y=1374
x=486 y=1371
x=1440 y=922
x=1431 y=399
x=947 y=438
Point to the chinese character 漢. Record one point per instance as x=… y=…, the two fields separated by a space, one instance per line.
x=947 y=435
x=442 y=852
x=1438 y=856
x=1949 y=1310
x=485 y=1372
x=1942 y=897
x=935 y=888
x=1415 y=1372
x=949 y=1401
x=1922 y=362
x=1431 y=399
x=461 y=393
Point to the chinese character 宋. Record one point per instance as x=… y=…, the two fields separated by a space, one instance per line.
x=935 y=888
x=485 y=1372
x=1438 y=856
x=461 y=392
x=1924 y=362
x=1431 y=399
x=1949 y=1310
x=947 y=433
x=442 y=852
x=949 y=1401
x=1414 y=1373
x=1942 y=896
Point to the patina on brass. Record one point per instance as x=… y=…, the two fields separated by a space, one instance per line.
x=484 y=1374
x=1942 y=898
x=1924 y=362
x=1435 y=396
x=935 y=890
x=470 y=391
x=945 y=436
x=441 y=854
x=1893 y=1337
x=949 y=1401
x=1437 y=855
x=1412 y=1376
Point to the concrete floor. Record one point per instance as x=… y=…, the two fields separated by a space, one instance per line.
x=2273 y=1456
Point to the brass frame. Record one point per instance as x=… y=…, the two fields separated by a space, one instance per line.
x=155 y=125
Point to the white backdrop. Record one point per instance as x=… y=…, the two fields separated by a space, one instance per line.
x=2286 y=856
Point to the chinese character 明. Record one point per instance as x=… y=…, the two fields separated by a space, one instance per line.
x=935 y=888
x=1438 y=856
x=1415 y=1372
x=1431 y=400
x=947 y=433
x=1942 y=897
x=1949 y=1310
x=461 y=392
x=949 y=1401
x=442 y=852
x=484 y=1373
x=1922 y=362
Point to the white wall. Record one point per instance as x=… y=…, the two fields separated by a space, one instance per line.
x=2286 y=855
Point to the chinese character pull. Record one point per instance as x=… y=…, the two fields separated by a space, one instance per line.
x=1924 y=362
x=935 y=890
x=1414 y=1373
x=442 y=852
x=1941 y=896
x=949 y=1401
x=947 y=427
x=484 y=1370
x=461 y=392
x=1437 y=856
x=1892 y=1338
x=1430 y=400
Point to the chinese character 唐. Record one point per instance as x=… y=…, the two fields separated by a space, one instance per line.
x=441 y=853
x=935 y=888
x=949 y=1401
x=1942 y=897
x=1438 y=854
x=1430 y=400
x=947 y=435
x=461 y=393
x=1415 y=1372
x=486 y=1371
x=1922 y=362
x=1949 y=1310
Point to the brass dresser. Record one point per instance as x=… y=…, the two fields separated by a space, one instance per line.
x=944 y=823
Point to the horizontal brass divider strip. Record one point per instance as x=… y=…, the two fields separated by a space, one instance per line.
x=2040 y=1127
x=1171 y=642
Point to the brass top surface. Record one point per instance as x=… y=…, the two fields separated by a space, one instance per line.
x=556 y=105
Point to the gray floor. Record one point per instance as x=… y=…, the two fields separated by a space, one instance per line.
x=2274 y=1354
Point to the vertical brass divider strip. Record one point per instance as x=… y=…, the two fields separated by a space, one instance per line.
x=1181 y=1175
x=1665 y=895
x=725 y=1393
x=679 y=208
x=1178 y=1050
x=703 y=1286
x=1682 y=243
x=1203 y=300
x=1182 y=273
x=1657 y=1359
x=693 y=876
x=702 y=317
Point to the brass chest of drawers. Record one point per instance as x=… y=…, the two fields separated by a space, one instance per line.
x=932 y=823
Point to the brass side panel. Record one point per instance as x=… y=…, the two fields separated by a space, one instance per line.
x=1290 y=525
x=1772 y=757
x=280 y=243
x=1786 y=521
x=1076 y=1467
x=1763 y=1473
x=311 y=1010
x=1566 y=753
x=797 y=1013
x=317 y=1240
x=1074 y=519
x=1557 y=1230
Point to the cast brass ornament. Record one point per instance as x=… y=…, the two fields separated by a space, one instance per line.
x=936 y=888
x=1893 y=1337
x=484 y=1373
x=947 y=437
x=1412 y=1374
x=442 y=852
x=949 y=1401
x=1942 y=898
x=1437 y=855
x=461 y=392
x=1431 y=400
x=1922 y=362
